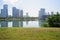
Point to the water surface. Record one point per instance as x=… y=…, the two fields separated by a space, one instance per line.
x=25 y=24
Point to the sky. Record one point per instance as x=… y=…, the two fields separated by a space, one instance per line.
x=32 y=6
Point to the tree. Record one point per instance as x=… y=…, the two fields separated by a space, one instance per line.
x=54 y=20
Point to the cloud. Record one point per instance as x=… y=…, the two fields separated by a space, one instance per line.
x=10 y=1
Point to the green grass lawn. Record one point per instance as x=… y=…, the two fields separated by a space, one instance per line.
x=29 y=33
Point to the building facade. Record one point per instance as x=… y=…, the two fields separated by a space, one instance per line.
x=41 y=13
x=21 y=13
x=4 y=11
x=15 y=12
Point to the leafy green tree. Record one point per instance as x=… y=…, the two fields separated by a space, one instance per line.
x=54 y=20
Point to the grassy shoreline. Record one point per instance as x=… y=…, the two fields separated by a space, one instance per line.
x=29 y=33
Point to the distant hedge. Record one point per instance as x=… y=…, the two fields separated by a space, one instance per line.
x=53 y=20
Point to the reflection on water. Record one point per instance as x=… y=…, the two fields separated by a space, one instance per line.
x=41 y=22
x=10 y=24
x=4 y=23
x=21 y=23
x=27 y=22
x=15 y=24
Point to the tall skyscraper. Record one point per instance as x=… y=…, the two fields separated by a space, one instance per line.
x=48 y=13
x=21 y=13
x=5 y=6
x=27 y=15
x=52 y=13
x=4 y=11
x=15 y=12
x=41 y=13
x=1 y=15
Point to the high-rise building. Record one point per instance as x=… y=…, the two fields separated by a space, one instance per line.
x=27 y=15
x=41 y=13
x=21 y=13
x=5 y=6
x=52 y=13
x=1 y=15
x=48 y=13
x=15 y=12
x=4 y=11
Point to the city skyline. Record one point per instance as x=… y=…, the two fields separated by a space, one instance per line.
x=15 y=12
x=32 y=6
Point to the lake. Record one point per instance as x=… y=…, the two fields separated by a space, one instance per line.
x=24 y=24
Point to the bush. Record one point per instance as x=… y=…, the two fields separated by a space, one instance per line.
x=45 y=24
x=54 y=20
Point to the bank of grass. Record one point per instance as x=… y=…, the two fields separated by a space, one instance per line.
x=29 y=33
